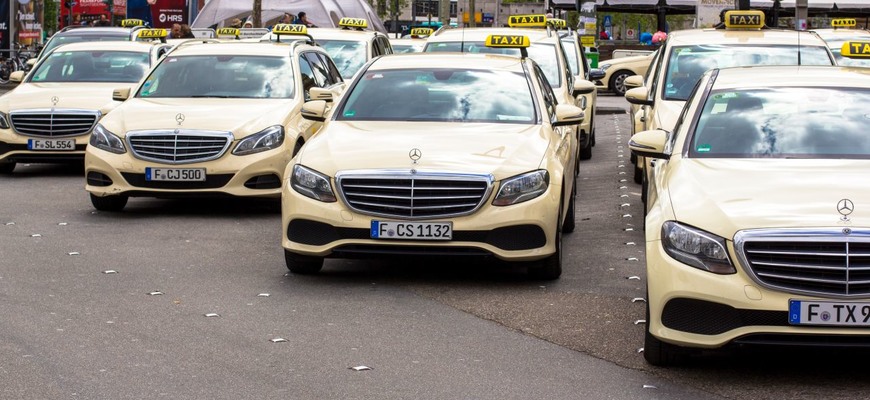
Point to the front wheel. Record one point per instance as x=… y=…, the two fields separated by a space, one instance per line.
x=617 y=82
x=657 y=352
x=109 y=203
x=549 y=268
x=301 y=264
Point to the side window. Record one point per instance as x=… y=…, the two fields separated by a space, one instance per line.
x=377 y=47
x=547 y=90
x=388 y=48
x=307 y=73
x=321 y=75
x=331 y=69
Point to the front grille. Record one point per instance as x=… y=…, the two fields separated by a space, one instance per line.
x=178 y=146
x=54 y=122
x=826 y=262
x=413 y=195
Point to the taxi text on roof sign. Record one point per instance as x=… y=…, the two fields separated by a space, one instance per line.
x=132 y=22
x=348 y=22
x=228 y=32
x=511 y=41
x=153 y=33
x=557 y=23
x=530 y=20
x=290 y=29
x=844 y=23
x=855 y=50
x=421 y=31
x=748 y=19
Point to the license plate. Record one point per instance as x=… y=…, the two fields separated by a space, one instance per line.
x=175 y=174
x=801 y=312
x=51 y=144
x=412 y=230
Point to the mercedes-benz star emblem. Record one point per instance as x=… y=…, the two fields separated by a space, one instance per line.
x=845 y=207
x=54 y=100
x=179 y=118
x=415 y=155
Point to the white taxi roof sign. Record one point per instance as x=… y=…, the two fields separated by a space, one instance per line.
x=290 y=29
x=844 y=23
x=348 y=22
x=508 y=41
x=527 y=20
x=153 y=33
x=421 y=31
x=855 y=49
x=126 y=23
x=744 y=19
x=557 y=23
x=227 y=32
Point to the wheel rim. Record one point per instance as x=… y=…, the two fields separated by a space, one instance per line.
x=619 y=83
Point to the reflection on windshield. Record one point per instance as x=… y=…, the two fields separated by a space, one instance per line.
x=784 y=123
x=349 y=56
x=64 y=39
x=407 y=48
x=543 y=54
x=231 y=76
x=92 y=66
x=441 y=95
x=687 y=64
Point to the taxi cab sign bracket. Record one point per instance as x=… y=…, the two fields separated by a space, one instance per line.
x=234 y=32
x=844 y=23
x=419 y=32
x=855 y=49
x=127 y=23
x=744 y=19
x=529 y=20
x=291 y=30
x=356 y=23
x=153 y=34
x=509 y=41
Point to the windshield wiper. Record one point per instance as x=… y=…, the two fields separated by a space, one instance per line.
x=211 y=96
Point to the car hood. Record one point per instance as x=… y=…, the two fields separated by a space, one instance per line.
x=724 y=196
x=502 y=150
x=624 y=60
x=242 y=117
x=81 y=96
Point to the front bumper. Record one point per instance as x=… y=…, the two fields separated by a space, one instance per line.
x=13 y=148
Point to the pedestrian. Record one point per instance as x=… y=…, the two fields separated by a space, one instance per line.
x=186 y=32
x=603 y=35
x=303 y=20
x=175 y=31
x=104 y=21
x=287 y=18
x=248 y=24
x=236 y=23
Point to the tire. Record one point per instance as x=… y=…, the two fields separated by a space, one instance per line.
x=570 y=221
x=586 y=152
x=302 y=265
x=297 y=147
x=550 y=268
x=638 y=174
x=109 y=203
x=657 y=352
x=617 y=82
x=7 y=168
x=644 y=186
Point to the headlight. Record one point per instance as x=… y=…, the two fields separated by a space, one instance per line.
x=312 y=184
x=108 y=141
x=522 y=188
x=267 y=139
x=603 y=67
x=4 y=123
x=696 y=248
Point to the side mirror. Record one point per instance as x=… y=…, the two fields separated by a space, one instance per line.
x=639 y=96
x=121 y=94
x=649 y=144
x=30 y=63
x=314 y=110
x=317 y=93
x=634 y=81
x=596 y=74
x=567 y=115
x=582 y=86
x=16 y=76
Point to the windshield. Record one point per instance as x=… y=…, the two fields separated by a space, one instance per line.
x=545 y=55
x=792 y=122
x=456 y=95
x=225 y=76
x=836 y=45
x=92 y=66
x=686 y=64
x=407 y=48
x=58 y=40
x=349 y=55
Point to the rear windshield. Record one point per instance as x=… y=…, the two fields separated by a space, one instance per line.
x=58 y=40
x=92 y=66
x=792 y=122
x=545 y=55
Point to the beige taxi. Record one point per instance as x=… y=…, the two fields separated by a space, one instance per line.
x=759 y=229
x=351 y=45
x=73 y=34
x=49 y=116
x=436 y=155
x=744 y=41
x=843 y=30
x=413 y=43
x=616 y=70
x=217 y=118
x=546 y=49
x=579 y=64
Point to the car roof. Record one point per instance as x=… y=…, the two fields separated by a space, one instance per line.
x=841 y=33
x=784 y=76
x=342 y=34
x=95 y=31
x=480 y=34
x=239 y=48
x=115 y=45
x=715 y=36
x=457 y=61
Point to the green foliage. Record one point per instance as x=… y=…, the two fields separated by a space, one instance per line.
x=386 y=8
x=573 y=18
x=50 y=9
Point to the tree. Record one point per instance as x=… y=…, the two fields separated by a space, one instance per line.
x=49 y=19
x=258 y=13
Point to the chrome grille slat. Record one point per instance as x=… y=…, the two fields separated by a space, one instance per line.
x=53 y=122
x=830 y=262
x=413 y=195
x=179 y=146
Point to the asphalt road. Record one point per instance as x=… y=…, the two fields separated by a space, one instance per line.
x=82 y=317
